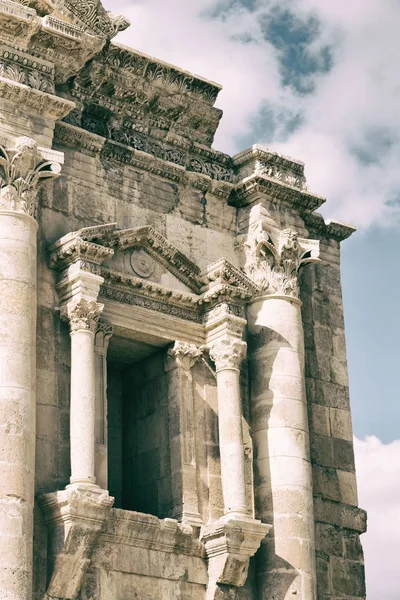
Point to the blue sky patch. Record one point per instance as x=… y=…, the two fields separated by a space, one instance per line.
x=293 y=38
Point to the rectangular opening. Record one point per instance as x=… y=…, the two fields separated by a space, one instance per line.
x=139 y=470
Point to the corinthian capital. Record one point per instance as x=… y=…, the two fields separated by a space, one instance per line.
x=82 y=315
x=273 y=257
x=184 y=354
x=22 y=169
x=228 y=353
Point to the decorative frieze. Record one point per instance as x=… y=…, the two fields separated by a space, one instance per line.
x=22 y=169
x=34 y=101
x=79 y=139
x=164 y=74
x=91 y=15
x=23 y=68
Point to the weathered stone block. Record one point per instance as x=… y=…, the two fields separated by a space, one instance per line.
x=347 y=578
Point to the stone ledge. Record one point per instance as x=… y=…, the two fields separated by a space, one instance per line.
x=331 y=229
x=147 y=531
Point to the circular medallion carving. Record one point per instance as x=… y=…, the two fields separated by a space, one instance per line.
x=142 y=263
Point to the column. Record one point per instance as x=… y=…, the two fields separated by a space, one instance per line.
x=19 y=166
x=83 y=317
x=180 y=360
x=282 y=466
x=101 y=342
x=228 y=354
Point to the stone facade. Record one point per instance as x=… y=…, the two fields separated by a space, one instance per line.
x=173 y=381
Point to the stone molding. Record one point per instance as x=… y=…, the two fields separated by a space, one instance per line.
x=66 y=45
x=23 y=168
x=228 y=353
x=262 y=161
x=91 y=16
x=82 y=315
x=75 y=518
x=256 y=185
x=26 y=69
x=34 y=101
x=229 y=544
x=220 y=291
x=79 y=139
x=331 y=229
x=273 y=257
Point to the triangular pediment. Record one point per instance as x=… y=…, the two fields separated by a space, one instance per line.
x=142 y=258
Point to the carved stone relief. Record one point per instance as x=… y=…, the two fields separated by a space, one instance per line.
x=273 y=257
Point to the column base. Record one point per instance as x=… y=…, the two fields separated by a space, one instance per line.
x=75 y=517
x=230 y=542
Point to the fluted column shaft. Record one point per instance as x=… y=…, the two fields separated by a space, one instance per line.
x=283 y=477
x=228 y=355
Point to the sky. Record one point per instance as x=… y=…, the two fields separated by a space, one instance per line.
x=318 y=80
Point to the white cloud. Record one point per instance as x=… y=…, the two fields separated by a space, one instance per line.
x=378 y=473
x=355 y=105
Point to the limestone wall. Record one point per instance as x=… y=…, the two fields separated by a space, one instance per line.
x=340 y=568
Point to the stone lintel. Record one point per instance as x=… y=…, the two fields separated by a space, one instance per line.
x=74 y=517
x=230 y=543
x=331 y=229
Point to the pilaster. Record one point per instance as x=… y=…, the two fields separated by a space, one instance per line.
x=179 y=363
x=101 y=341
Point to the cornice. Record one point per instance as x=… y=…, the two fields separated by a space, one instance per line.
x=262 y=154
x=131 y=62
x=251 y=188
x=34 y=101
x=224 y=272
x=330 y=228
x=67 y=135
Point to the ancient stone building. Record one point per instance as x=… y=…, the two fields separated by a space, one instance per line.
x=175 y=418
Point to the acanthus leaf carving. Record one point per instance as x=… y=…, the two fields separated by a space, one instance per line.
x=21 y=171
x=228 y=353
x=274 y=257
x=82 y=314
